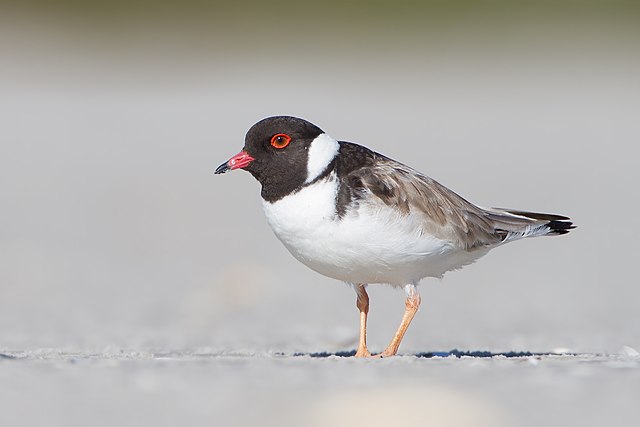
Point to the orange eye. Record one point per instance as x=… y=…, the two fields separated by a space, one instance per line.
x=280 y=140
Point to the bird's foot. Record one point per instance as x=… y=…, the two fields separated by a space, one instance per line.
x=366 y=354
x=363 y=352
x=387 y=353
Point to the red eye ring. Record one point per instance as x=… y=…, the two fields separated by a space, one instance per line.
x=280 y=140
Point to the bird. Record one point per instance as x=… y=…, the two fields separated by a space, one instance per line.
x=357 y=216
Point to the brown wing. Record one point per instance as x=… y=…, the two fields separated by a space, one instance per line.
x=446 y=215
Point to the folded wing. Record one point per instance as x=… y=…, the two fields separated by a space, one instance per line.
x=445 y=214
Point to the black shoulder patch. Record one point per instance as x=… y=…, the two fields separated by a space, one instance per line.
x=351 y=186
x=353 y=156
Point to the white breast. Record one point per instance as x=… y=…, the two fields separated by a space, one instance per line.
x=373 y=244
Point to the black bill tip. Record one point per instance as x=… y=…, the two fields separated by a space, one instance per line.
x=223 y=168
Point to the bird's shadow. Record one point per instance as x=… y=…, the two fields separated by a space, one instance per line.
x=452 y=353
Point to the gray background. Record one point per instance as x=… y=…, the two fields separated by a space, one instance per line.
x=137 y=287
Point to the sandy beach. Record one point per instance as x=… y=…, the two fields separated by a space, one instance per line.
x=137 y=288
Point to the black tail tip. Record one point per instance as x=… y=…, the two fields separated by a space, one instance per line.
x=560 y=227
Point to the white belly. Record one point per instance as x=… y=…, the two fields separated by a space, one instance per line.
x=378 y=245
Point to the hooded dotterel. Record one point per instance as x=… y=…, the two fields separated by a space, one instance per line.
x=357 y=216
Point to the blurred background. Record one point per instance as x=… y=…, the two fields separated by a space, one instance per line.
x=115 y=235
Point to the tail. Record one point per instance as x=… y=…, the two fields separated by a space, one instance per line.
x=514 y=225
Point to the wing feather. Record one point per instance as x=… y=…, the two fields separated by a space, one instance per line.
x=443 y=213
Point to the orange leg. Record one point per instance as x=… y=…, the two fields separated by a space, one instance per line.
x=362 y=302
x=412 y=304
